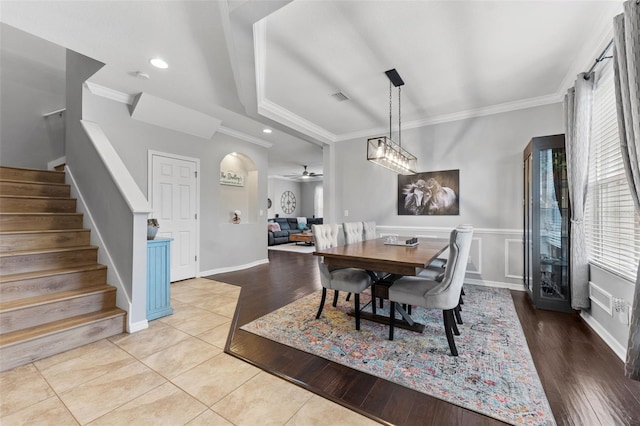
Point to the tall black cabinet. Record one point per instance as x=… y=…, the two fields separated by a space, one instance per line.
x=546 y=223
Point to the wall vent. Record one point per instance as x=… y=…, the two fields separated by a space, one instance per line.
x=340 y=96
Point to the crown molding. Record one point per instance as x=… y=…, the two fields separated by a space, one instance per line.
x=108 y=93
x=462 y=115
x=243 y=136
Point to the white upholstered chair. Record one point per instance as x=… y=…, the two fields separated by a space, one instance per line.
x=431 y=294
x=351 y=280
x=369 y=229
x=353 y=232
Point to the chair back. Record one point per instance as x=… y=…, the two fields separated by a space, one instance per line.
x=353 y=232
x=450 y=287
x=324 y=237
x=370 y=232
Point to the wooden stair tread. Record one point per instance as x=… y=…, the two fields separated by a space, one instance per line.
x=54 y=297
x=40 y=214
x=53 y=172
x=47 y=250
x=44 y=231
x=43 y=330
x=50 y=272
x=35 y=197
x=32 y=182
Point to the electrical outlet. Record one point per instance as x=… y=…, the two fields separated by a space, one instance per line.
x=346 y=213
x=620 y=308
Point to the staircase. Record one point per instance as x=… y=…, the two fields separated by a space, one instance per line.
x=53 y=293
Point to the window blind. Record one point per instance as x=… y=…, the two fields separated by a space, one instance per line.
x=611 y=222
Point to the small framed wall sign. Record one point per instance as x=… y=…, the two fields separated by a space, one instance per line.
x=231 y=178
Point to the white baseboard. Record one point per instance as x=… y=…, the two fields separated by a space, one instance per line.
x=510 y=286
x=137 y=326
x=233 y=268
x=615 y=346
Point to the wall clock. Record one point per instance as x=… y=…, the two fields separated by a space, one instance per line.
x=288 y=202
x=268 y=203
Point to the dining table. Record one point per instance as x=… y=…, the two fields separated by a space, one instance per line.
x=386 y=259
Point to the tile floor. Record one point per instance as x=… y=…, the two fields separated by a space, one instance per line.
x=173 y=373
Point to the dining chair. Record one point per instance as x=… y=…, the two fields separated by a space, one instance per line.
x=431 y=294
x=353 y=232
x=369 y=229
x=351 y=280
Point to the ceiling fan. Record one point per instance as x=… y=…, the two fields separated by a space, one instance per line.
x=305 y=174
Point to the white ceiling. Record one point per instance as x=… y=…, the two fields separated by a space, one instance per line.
x=457 y=58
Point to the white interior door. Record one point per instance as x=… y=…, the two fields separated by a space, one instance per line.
x=174 y=204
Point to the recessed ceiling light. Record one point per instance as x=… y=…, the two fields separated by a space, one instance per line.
x=158 y=63
x=266 y=130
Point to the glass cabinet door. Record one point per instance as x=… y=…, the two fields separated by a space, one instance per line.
x=546 y=223
x=553 y=225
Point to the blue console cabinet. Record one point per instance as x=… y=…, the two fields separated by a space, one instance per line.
x=159 y=278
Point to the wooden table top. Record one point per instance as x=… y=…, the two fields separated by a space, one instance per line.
x=375 y=255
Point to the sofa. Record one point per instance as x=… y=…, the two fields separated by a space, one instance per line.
x=288 y=226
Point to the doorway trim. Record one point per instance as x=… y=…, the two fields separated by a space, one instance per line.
x=150 y=155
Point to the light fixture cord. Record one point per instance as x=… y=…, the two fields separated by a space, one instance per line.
x=390 y=112
x=399 y=121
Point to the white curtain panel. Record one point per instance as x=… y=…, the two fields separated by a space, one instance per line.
x=626 y=65
x=577 y=111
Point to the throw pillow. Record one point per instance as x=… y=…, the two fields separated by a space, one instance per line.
x=273 y=227
x=302 y=226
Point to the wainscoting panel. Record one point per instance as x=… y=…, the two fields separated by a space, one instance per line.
x=495 y=258
x=513 y=258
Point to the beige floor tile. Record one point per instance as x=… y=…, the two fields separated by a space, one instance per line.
x=90 y=362
x=73 y=353
x=188 y=294
x=227 y=310
x=22 y=387
x=265 y=399
x=215 y=378
x=182 y=356
x=217 y=336
x=51 y=411
x=97 y=397
x=164 y=405
x=319 y=411
x=217 y=287
x=194 y=321
x=211 y=302
x=209 y=418
x=146 y=342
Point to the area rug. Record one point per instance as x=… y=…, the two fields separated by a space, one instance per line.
x=493 y=375
x=293 y=247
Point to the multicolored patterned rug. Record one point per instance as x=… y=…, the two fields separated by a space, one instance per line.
x=493 y=375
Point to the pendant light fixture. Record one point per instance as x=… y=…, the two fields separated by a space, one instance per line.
x=382 y=150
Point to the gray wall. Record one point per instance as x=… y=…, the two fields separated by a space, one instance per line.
x=222 y=244
x=308 y=191
x=276 y=188
x=32 y=83
x=487 y=151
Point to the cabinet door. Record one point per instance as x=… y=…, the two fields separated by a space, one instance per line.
x=528 y=206
x=553 y=238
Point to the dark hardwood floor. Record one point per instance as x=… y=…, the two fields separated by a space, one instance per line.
x=582 y=377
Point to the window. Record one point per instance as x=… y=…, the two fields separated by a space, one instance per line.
x=611 y=222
